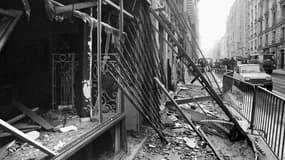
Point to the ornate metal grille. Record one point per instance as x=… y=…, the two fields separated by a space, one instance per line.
x=63 y=71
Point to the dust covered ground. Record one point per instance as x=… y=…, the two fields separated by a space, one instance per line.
x=183 y=142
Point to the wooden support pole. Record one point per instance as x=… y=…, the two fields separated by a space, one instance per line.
x=84 y=16
x=99 y=53
x=74 y=6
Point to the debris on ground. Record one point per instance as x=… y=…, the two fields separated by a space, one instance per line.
x=69 y=128
x=184 y=143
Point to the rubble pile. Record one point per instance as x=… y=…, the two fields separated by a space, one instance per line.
x=183 y=144
x=183 y=141
x=69 y=127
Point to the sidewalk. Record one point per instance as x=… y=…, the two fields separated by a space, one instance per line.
x=279 y=72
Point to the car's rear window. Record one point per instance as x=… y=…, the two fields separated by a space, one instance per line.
x=250 y=69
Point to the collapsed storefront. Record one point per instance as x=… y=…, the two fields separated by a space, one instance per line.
x=46 y=67
x=71 y=95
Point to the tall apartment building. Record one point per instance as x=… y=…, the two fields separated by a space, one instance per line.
x=271 y=30
x=237 y=29
x=253 y=27
x=191 y=12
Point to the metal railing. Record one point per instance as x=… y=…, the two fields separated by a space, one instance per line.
x=264 y=110
x=268 y=117
x=244 y=94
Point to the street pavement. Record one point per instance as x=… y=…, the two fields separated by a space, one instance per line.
x=279 y=84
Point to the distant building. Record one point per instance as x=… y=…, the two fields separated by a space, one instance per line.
x=271 y=29
x=253 y=27
x=219 y=51
x=237 y=29
x=191 y=12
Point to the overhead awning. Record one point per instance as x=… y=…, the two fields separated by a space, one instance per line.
x=8 y=21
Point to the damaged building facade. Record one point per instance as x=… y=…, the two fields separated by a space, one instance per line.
x=62 y=68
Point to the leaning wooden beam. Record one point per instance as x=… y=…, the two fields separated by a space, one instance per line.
x=21 y=116
x=138 y=107
x=25 y=138
x=197 y=129
x=190 y=100
x=86 y=17
x=191 y=65
x=74 y=6
x=35 y=117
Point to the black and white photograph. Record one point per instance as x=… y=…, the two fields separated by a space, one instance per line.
x=142 y=79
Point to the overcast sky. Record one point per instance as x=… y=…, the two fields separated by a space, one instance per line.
x=212 y=21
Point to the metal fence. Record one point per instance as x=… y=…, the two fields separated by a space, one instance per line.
x=264 y=110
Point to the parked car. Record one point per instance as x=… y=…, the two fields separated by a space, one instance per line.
x=252 y=73
x=267 y=61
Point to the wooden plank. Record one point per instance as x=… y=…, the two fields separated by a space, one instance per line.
x=25 y=138
x=21 y=116
x=35 y=117
x=74 y=6
x=190 y=100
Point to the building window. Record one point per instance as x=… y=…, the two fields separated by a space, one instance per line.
x=266 y=21
x=266 y=39
x=255 y=44
x=273 y=36
x=260 y=41
x=282 y=33
x=261 y=26
x=274 y=18
x=283 y=11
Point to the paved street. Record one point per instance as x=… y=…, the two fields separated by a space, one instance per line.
x=279 y=84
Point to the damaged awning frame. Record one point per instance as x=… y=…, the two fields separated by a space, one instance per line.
x=88 y=4
x=15 y=16
x=87 y=18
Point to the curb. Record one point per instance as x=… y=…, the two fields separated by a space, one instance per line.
x=278 y=73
